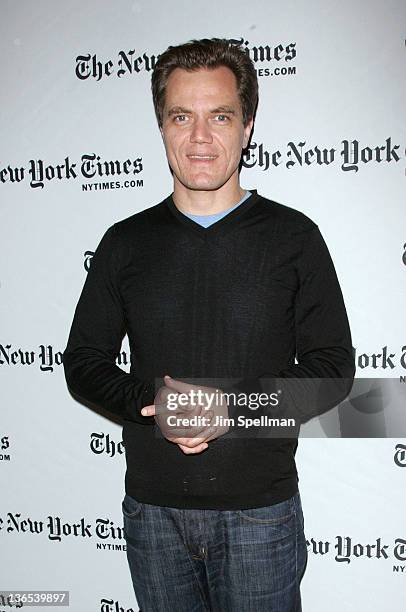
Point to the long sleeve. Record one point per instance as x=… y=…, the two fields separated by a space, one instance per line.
x=95 y=339
x=324 y=372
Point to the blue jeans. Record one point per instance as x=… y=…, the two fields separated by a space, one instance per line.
x=216 y=560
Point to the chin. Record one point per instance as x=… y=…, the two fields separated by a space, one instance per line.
x=204 y=184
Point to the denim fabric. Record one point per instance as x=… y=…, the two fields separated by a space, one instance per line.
x=184 y=560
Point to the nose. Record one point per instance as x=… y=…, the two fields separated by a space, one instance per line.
x=201 y=131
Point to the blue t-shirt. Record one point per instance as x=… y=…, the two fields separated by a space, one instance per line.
x=206 y=220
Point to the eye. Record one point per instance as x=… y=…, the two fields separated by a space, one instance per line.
x=180 y=118
x=222 y=118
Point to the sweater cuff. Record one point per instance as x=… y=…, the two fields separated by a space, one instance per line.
x=145 y=398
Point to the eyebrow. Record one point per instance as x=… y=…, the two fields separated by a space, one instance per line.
x=224 y=109
x=175 y=110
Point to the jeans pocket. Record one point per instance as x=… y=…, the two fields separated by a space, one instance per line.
x=131 y=507
x=276 y=514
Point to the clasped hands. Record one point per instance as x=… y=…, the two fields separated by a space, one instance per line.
x=190 y=424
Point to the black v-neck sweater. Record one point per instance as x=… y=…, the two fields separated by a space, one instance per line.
x=237 y=300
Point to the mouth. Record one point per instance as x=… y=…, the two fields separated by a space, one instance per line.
x=202 y=158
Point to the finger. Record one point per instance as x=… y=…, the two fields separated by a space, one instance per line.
x=154 y=409
x=182 y=434
x=148 y=410
x=162 y=408
x=206 y=412
x=178 y=385
x=197 y=408
x=187 y=439
x=193 y=442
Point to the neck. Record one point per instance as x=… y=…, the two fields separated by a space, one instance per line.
x=198 y=202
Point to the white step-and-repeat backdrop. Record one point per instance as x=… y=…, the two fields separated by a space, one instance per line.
x=329 y=140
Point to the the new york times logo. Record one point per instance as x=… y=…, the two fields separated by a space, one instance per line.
x=134 y=62
x=400 y=455
x=352 y=156
x=91 y=166
x=347 y=549
x=4 y=445
x=101 y=443
x=47 y=357
x=111 y=605
x=57 y=529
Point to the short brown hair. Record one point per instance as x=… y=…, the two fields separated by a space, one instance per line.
x=207 y=53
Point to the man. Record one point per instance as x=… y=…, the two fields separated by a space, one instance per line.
x=218 y=289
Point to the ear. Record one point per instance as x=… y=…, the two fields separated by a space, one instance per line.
x=247 y=132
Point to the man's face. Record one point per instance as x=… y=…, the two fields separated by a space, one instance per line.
x=203 y=129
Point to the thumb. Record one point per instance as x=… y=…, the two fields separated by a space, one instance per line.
x=177 y=385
